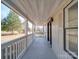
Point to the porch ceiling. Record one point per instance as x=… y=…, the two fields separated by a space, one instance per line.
x=38 y=11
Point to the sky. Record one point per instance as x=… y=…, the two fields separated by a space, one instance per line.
x=5 y=11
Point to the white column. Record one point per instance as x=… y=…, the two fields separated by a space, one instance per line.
x=33 y=30
x=26 y=30
x=26 y=27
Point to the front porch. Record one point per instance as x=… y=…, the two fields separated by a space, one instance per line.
x=39 y=49
x=58 y=38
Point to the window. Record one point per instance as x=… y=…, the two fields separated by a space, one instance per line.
x=71 y=28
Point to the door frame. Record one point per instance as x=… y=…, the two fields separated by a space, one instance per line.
x=49 y=31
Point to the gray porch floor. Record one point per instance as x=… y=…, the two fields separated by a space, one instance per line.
x=40 y=49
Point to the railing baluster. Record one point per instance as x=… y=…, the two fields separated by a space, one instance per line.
x=20 y=46
x=3 y=53
x=6 y=53
x=25 y=42
x=16 y=50
x=13 y=51
x=10 y=52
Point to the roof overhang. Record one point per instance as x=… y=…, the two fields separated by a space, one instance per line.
x=37 y=11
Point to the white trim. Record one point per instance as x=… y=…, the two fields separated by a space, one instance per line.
x=72 y=53
x=74 y=1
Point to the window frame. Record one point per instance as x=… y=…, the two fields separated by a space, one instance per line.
x=65 y=13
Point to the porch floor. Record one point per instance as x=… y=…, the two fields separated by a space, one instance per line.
x=39 y=49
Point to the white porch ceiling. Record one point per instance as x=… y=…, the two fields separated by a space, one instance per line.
x=38 y=11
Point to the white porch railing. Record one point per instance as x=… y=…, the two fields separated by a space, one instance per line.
x=13 y=49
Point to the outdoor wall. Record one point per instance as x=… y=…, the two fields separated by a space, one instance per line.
x=57 y=36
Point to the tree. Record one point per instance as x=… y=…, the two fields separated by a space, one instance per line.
x=4 y=25
x=13 y=23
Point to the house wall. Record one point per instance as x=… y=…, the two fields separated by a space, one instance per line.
x=58 y=34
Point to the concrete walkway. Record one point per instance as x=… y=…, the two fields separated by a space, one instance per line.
x=40 y=49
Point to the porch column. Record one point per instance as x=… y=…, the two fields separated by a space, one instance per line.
x=33 y=30
x=26 y=27
x=26 y=30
